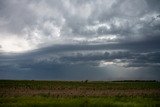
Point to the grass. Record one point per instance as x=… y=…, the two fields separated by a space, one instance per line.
x=75 y=84
x=22 y=93
x=39 y=101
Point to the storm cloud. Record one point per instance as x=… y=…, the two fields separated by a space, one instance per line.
x=80 y=39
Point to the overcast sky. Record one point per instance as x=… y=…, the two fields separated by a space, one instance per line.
x=80 y=39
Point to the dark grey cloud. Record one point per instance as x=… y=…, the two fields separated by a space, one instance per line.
x=76 y=64
x=75 y=40
x=154 y=5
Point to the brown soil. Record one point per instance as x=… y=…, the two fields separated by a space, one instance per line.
x=77 y=92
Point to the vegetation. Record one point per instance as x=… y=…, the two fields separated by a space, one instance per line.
x=21 y=93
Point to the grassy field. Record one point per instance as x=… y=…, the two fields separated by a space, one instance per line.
x=79 y=93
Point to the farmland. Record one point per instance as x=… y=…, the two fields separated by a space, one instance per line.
x=79 y=93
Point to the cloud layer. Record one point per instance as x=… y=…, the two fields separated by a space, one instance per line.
x=76 y=40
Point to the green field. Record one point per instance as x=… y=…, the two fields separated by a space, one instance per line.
x=20 y=93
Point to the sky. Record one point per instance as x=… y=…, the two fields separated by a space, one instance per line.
x=80 y=39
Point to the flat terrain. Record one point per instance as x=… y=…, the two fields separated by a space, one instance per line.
x=79 y=93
